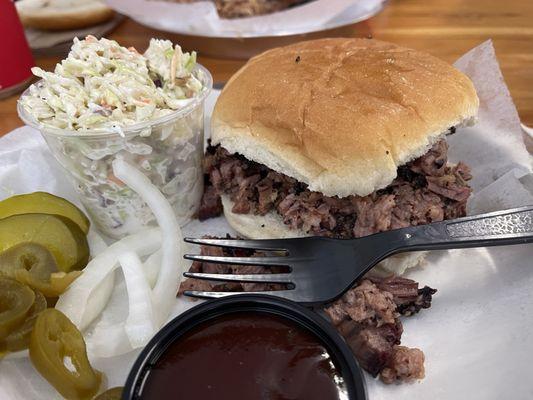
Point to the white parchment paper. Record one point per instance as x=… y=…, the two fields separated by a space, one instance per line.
x=477 y=334
x=201 y=18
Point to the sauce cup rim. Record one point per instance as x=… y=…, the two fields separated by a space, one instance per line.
x=299 y=315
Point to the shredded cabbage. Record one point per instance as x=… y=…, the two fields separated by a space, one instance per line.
x=104 y=85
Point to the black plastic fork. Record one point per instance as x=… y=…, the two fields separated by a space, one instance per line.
x=322 y=269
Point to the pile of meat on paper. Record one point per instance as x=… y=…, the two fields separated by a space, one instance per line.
x=367 y=316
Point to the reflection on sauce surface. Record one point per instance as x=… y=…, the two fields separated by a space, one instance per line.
x=245 y=356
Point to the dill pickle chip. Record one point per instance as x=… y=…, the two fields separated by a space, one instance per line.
x=32 y=264
x=16 y=300
x=62 y=237
x=58 y=352
x=19 y=338
x=43 y=203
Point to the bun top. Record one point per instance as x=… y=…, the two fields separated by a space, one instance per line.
x=340 y=115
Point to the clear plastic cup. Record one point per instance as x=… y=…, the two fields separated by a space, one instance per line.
x=169 y=150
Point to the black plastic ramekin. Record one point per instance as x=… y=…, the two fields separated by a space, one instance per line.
x=297 y=314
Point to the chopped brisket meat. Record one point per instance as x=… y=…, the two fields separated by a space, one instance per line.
x=403 y=365
x=427 y=189
x=409 y=299
x=373 y=215
x=230 y=9
x=211 y=205
x=367 y=316
x=210 y=268
x=371 y=346
x=364 y=304
x=248 y=8
x=433 y=163
x=195 y=284
x=451 y=186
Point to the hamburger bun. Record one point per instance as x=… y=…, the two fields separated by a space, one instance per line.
x=271 y=226
x=58 y=15
x=341 y=115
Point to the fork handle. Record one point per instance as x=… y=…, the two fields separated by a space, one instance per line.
x=514 y=226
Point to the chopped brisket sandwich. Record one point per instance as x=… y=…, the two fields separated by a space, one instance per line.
x=340 y=138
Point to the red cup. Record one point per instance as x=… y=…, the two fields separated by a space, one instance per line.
x=16 y=59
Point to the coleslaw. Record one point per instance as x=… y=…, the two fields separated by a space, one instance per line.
x=104 y=85
x=105 y=101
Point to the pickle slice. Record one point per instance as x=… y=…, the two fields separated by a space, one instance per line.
x=62 y=237
x=33 y=265
x=19 y=338
x=58 y=352
x=43 y=203
x=16 y=300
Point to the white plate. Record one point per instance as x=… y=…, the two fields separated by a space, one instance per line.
x=528 y=130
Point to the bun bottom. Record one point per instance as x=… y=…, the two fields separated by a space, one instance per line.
x=271 y=226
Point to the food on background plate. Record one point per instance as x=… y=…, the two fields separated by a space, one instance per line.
x=248 y=8
x=106 y=100
x=58 y=352
x=59 y=15
x=62 y=237
x=43 y=203
x=367 y=315
x=341 y=138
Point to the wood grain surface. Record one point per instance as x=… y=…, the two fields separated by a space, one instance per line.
x=445 y=28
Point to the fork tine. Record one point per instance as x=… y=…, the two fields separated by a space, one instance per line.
x=289 y=294
x=277 y=261
x=270 y=245
x=258 y=278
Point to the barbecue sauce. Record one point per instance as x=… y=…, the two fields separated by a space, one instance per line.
x=245 y=356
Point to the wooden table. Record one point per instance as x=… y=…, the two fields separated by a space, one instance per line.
x=445 y=28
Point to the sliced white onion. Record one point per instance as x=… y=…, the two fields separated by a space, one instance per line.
x=87 y=296
x=106 y=336
x=108 y=341
x=164 y=292
x=151 y=268
x=141 y=324
x=98 y=299
x=102 y=292
x=96 y=242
